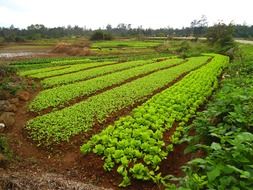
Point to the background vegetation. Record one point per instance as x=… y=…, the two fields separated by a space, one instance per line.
x=198 y=29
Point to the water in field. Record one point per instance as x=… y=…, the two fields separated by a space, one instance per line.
x=245 y=41
x=18 y=54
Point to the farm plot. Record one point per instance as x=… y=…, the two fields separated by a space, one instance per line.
x=53 y=71
x=47 y=63
x=87 y=74
x=42 y=70
x=61 y=125
x=127 y=43
x=62 y=94
x=135 y=144
x=39 y=63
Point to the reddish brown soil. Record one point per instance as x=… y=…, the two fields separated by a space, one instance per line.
x=66 y=159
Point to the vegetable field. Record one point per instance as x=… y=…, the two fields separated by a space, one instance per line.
x=134 y=103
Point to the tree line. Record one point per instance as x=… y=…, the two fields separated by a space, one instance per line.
x=198 y=28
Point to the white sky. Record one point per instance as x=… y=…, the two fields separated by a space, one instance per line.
x=99 y=13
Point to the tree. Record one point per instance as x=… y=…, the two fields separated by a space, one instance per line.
x=109 y=27
x=221 y=37
x=100 y=35
x=199 y=26
x=221 y=34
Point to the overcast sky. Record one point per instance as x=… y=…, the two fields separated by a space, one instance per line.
x=99 y=13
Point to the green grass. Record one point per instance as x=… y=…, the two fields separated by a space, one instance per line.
x=4 y=148
x=125 y=43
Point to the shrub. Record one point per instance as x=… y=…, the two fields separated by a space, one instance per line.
x=221 y=37
x=4 y=147
x=6 y=70
x=100 y=35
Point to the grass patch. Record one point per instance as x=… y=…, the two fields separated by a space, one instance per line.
x=4 y=148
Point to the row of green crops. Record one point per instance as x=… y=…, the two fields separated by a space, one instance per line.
x=126 y=43
x=42 y=70
x=91 y=73
x=135 y=143
x=72 y=68
x=57 y=60
x=53 y=62
x=66 y=61
x=76 y=60
x=71 y=62
x=74 y=65
x=61 y=125
x=224 y=132
x=60 y=95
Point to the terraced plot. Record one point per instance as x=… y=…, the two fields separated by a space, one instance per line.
x=136 y=143
x=42 y=70
x=87 y=74
x=70 y=69
x=33 y=66
x=62 y=94
x=61 y=125
x=144 y=100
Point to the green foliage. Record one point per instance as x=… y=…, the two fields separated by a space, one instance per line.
x=221 y=36
x=8 y=80
x=8 y=84
x=225 y=130
x=42 y=33
x=199 y=27
x=60 y=70
x=51 y=63
x=62 y=94
x=4 y=147
x=100 y=35
x=139 y=171
x=185 y=48
x=91 y=73
x=138 y=138
x=6 y=70
x=61 y=125
x=126 y=43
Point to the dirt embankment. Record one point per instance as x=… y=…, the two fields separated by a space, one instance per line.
x=80 y=49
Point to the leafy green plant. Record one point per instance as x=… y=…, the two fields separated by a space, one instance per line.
x=4 y=147
x=91 y=73
x=140 y=135
x=59 y=70
x=61 y=125
x=225 y=132
x=62 y=94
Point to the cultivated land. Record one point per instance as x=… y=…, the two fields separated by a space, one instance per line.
x=113 y=120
